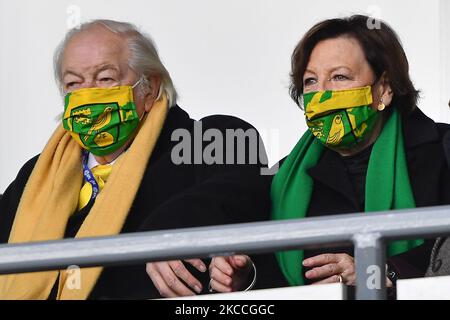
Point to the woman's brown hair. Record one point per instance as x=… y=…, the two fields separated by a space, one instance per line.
x=382 y=48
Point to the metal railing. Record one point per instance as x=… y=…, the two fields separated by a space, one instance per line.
x=369 y=232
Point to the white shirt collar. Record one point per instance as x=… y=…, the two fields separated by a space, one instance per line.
x=92 y=162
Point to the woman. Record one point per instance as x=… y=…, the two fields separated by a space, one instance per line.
x=368 y=148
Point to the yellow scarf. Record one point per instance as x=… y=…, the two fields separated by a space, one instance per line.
x=51 y=196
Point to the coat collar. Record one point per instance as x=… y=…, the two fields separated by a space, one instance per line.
x=418 y=129
x=177 y=118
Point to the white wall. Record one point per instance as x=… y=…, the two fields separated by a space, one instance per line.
x=445 y=59
x=225 y=56
x=430 y=288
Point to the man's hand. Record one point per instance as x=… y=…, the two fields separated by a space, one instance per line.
x=166 y=277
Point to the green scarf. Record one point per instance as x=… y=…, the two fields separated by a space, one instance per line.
x=387 y=171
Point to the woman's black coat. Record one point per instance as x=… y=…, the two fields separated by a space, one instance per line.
x=333 y=193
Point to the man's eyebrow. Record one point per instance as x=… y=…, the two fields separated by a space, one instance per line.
x=67 y=72
x=99 y=69
x=104 y=67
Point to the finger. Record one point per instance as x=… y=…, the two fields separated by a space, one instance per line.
x=332 y=279
x=321 y=260
x=221 y=277
x=325 y=271
x=181 y=272
x=172 y=281
x=344 y=258
x=223 y=265
x=389 y=283
x=216 y=286
x=240 y=261
x=158 y=282
x=198 y=264
x=349 y=280
x=348 y=270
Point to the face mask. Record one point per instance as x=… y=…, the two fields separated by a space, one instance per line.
x=340 y=118
x=101 y=120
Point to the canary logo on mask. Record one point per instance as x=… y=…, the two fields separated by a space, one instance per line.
x=340 y=118
x=101 y=120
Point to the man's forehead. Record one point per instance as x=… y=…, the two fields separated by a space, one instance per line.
x=95 y=48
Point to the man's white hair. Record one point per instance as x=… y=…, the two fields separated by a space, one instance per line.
x=144 y=58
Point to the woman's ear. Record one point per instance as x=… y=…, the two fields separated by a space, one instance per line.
x=154 y=86
x=385 y=93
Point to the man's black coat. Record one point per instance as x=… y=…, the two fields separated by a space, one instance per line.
x=170 y=196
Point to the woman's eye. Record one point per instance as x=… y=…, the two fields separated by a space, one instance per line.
x=70 y=84
x=106 y=79
x=308 y=82
x=340 y=77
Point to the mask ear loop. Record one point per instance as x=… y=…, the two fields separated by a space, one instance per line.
x=139 y=81
x=143 y=115
x=134 y=86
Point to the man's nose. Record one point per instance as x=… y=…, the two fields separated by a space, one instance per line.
x=88 y=84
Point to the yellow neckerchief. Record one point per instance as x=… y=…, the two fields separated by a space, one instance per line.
x=51 y=196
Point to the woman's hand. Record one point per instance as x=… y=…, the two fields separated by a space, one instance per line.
x=330 y=267
x=230 y=274
x=166 y=276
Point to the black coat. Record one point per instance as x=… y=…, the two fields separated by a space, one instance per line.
x=440 y=254
x=333 y=194
x=170 y=196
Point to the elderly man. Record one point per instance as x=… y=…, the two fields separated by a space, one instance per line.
x=110 y=168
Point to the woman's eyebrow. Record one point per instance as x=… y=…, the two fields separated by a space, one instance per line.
x=309 y=71
x=340 y=67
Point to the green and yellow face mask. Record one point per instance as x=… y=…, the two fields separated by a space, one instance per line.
x=340 y=118
x=101 y=120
